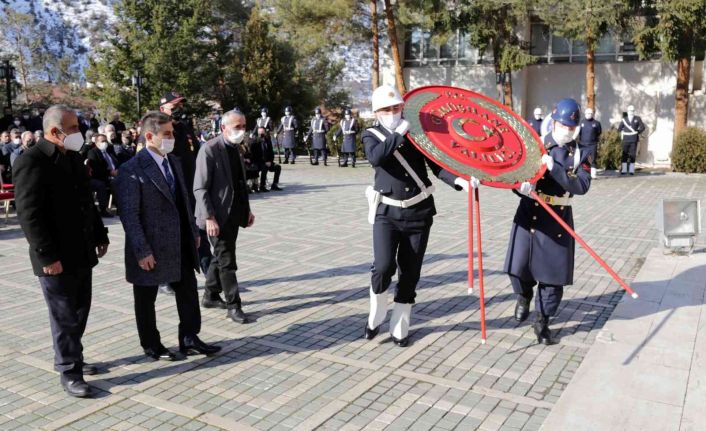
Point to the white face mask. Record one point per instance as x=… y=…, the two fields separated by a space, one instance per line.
x=102 y=145
x=73 y=142
x=287 y=114
x=17 y=122
x=389 y=120
x=537 y=116
x=562 y=135
x=111 y=136
x=235 y=136
x=166 y=146
x=17 y=141
x=348 y=117
x=264 y=115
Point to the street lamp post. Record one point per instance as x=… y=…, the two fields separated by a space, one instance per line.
x=7 y=72
x=137 y=82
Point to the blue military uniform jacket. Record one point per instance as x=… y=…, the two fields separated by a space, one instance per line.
x=349 y=130
x=318 y=130
x=636 y=124
x=536 y=125
x=590 y=132
x=393 y=181
x=540 y=249
x=289 y=126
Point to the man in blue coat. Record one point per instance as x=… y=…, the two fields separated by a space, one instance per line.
x=349 y=131
x=630 y=128
x=401 y=212
x=288 y=128
x=536 y=120
x=161 y=239
x=588 y=138
x=540 y=251
x=317 y=132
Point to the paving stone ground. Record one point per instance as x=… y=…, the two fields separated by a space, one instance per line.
x=304 y=270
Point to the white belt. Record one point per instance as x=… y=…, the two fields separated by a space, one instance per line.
x=287 y=129
x=555 y=200
x=408 y=202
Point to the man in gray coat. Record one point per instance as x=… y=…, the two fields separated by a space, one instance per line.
x=160 y=239
x=222 y=207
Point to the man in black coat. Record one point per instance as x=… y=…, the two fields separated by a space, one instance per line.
x=630 y=128
x=262 y=155
x=65 y=234
x=104 y=168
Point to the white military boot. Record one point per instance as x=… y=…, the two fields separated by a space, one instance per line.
x=399 y=323
x=378 y=311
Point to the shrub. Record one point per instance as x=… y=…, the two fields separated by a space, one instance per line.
x=689 y=151
x=609 y=150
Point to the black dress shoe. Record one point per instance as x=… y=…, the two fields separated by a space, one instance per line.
x=275 y=187
x=370 y=333
x=237 y=315
x=166 y=289
x=286 y=162
x=521 y=308
x=106 y=214
x=541 y=330
x=161 y=353
x=76 y=387
x=325 y=163
x=89 y=369
x=292 y=161
x=402 y=343
x=192 y=345
x=263 y=190
x=216 y=302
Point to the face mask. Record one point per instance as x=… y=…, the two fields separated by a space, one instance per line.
x=264 y=115
x=348 y=117
x=102 y=145
x=390 y=121
x=537 y=116
x=318 y=116
x=73 y=142
x=26 y=117
x=235 y=136
x=166 y=146
x=589 y=116
x=562 y=135
x=287 y=114
x=17 y=122
x=111 y=136
x=17 y=141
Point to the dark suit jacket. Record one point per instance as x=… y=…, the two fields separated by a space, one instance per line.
x=213 y=185
x=99 y=166
x=150 y=217
x=261 y=151
x=56 y=210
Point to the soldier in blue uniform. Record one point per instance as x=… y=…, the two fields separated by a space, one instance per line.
x=317 y=132
x=536 y=120
x=630 y=129
x=349 y=130
x=588 y=138
x=264 y=122
x=540 y=251
x=289 y=127
x=401 y=211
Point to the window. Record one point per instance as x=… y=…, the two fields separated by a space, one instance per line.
x=420 y=50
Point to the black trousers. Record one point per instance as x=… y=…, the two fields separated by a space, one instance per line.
x=187 y=301
x=221 y=273
x=399 y=243
x=289 y=154
x=68 y=298
x=277 y=169
x=345 y=158
x=629 y=153
x=205 y=254
x=548 y=297
x=102 y=190
x=592 y=150
x=319 y=153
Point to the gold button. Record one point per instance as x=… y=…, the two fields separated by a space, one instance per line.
x=536 y=204
x=406 y=189
x=532 y=230
x=406 y=174
x=558 y=235
x=561 y=208
x=534 y=217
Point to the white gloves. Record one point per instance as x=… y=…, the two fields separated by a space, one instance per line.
x=526 y=188
x=547 y=160
x=467 y=185
x=403 y=127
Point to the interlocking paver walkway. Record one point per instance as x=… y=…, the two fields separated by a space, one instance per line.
x=303 y=364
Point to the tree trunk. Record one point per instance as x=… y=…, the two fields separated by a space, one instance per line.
x=681 y=111
x=392 y=33
x=590 y=75
x=376 y=43
x=507 y=89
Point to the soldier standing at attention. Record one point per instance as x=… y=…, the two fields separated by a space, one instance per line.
x=317 y=132
x=349 y=130
x=630 y=129
x=289 y=127
x=588 y=138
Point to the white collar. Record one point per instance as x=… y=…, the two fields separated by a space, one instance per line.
x=158 y=158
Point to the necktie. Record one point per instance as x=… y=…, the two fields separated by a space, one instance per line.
x=107 y=158
x=169 y=177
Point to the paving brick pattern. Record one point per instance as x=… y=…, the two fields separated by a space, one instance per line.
x=304 y=269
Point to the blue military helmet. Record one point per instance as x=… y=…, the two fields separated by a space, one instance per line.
x=347 y=112
x=567 y=112
x=264 y=109
x=288 y=110
x=317 y=111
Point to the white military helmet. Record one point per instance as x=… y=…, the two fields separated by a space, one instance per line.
x=537 y=111
x=385 y=96
x=631 y=108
